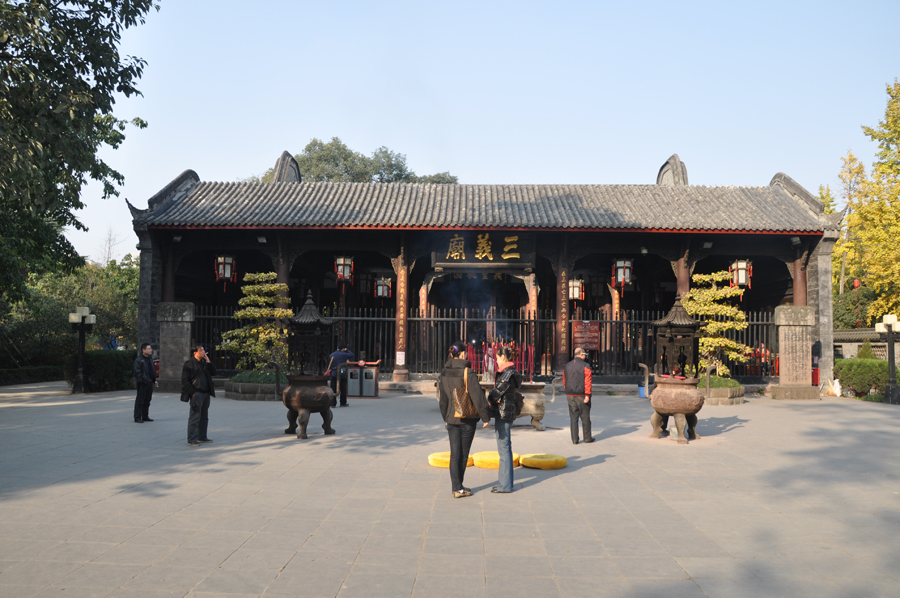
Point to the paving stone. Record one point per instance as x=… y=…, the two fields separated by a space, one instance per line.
x=594 y=587
x=440 y=586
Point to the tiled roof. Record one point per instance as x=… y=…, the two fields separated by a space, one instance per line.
x=397 y=205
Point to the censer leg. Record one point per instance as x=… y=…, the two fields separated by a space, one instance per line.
x=681 y=426
x=292 y=422
x=327 y=416
x=692 y=425
x=304 y=421
x=656 y=421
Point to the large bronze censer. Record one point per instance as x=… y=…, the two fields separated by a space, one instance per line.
x=676 y=392
x=308 y=391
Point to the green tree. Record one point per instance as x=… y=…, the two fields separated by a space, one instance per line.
x=60 y=69
x=334 y=162
x=711 y=302
x=865 y=351
x=264 y=337
x=851 y=310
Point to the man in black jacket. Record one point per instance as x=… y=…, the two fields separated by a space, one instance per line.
x=145 y=375
x=577 y=381
x=196 y=388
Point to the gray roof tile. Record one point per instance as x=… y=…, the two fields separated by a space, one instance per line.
x=340 y=205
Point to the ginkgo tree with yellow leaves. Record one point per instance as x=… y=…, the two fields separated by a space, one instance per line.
x=868 y=249
x=711 y=302
x=264 y=337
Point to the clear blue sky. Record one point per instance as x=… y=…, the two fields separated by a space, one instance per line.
x=504 y=92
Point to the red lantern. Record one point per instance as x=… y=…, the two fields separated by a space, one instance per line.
x=383 y=288
x=343 y=268
x=621 y=273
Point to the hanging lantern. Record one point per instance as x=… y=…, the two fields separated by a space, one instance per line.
x=576 y=289
x=741 y=272
x=622 y=273
x=383 y=288
x=343 y=268
x=225 y=270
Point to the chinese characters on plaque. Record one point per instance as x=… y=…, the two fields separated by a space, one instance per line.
x=517 y=250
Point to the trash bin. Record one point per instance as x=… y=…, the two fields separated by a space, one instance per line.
x=370 y=381
x=353 y=381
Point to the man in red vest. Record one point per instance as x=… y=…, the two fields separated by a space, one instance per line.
x=577 y=382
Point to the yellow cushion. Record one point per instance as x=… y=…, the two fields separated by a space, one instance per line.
x=443 y=460
x=543 y=461
x=491 y=460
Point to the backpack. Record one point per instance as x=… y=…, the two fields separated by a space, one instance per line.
x=520 y=402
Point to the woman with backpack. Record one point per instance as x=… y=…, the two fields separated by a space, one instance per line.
x=458 y=380
x=503 y=401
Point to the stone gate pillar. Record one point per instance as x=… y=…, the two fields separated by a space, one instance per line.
x=175 y=321
x=795 y=341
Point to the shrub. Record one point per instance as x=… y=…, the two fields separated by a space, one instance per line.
x=105 y=370
x=718 y=382
x=44 y=373
x=861 y=375
x=257 y=377
x=865 y=351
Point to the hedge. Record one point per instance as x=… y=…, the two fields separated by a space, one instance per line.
x=718 y=382
x=257 y=377
x=861 y=375
x=44 y=373
x=106 y=370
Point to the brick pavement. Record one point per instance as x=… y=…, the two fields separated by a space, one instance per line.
x=776 y=499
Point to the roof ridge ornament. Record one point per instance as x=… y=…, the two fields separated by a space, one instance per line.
x=672 y=173
x=286 y=169
x=795 y=190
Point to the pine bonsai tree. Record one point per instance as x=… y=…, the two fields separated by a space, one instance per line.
x=710 y=302
x=264 y=338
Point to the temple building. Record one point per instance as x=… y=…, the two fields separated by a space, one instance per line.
x=410 y=268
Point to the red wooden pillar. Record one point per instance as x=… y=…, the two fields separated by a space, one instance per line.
x=799 y=282
x=683 y=274
x=401 y=373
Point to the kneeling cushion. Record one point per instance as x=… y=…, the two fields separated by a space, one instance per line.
x=491 y=460
x=443 y=460
x=543 y=461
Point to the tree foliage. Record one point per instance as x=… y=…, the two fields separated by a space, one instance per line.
x=264 y=337
x=334 y=162
x=851 y=310
x=869 y=244
x=35 y=330
x=827 y=199
x=60 y=70
x=711 y=302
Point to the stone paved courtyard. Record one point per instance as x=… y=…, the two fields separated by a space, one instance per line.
x=776 y=499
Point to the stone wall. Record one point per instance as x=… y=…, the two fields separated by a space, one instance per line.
x=175 y=321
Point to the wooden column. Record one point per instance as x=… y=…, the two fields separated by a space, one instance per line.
x=562 y=308
x=683 y=274
x=282 y=270
x=401 y=373
x=168 y=286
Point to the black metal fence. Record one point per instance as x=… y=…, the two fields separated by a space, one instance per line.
x=626 y=338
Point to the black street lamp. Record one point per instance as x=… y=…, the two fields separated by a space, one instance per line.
x=887 y=327
x=82 y=322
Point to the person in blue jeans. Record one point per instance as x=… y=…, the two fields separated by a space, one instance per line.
x=503 y=406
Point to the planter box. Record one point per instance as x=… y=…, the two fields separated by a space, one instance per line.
x=250 y=392
x=724 y=396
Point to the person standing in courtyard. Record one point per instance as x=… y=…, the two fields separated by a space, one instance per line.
x=335 y=360
x=145 y=376
x=458 y=374
x=577 y=382
x=502 y=399
x=196 y=389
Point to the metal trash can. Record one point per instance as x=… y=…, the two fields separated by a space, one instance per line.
x=370 y=381
x=354 y=387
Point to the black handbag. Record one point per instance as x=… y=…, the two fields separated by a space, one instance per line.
x=462 y=402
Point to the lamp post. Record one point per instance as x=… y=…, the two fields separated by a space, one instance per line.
x=82 y=322
x=888 y=326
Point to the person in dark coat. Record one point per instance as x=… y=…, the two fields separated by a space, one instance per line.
x=502 y=399
x=196 y=389
x=341 y=356
x=577 y=382
x=458 y=373
x=145 y=375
